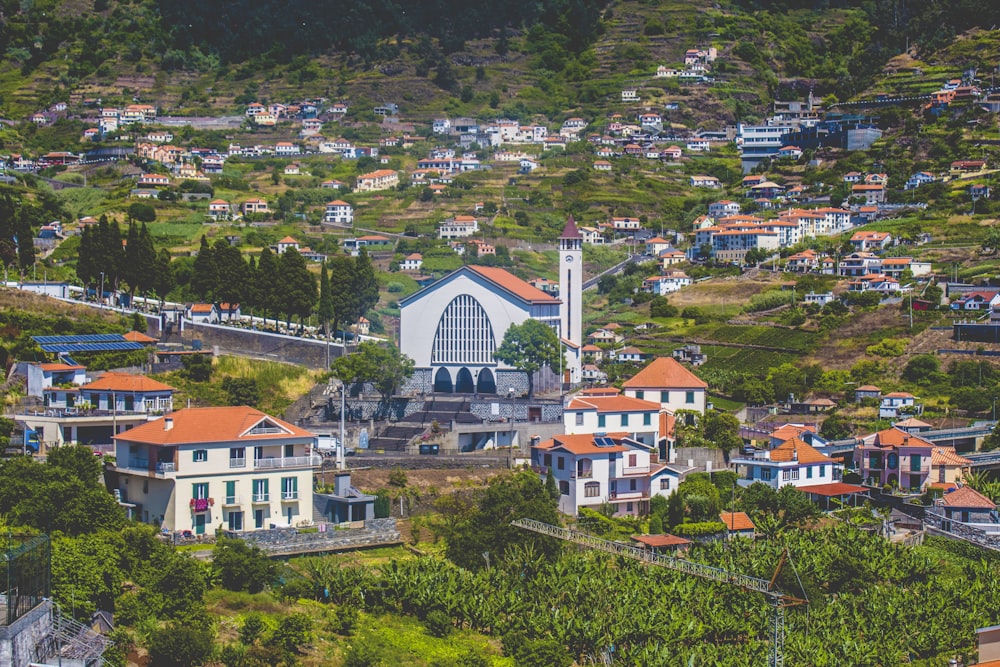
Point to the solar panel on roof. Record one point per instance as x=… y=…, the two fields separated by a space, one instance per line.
x=604 y=442
x=79 y=338
x=92 y=347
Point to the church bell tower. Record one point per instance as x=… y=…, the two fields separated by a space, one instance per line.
x=571 y=294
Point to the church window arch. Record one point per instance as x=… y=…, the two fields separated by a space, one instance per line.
x=464 y=334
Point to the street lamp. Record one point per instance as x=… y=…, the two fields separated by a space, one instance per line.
x=343 y=436
x=510 y=445
x=101 y=296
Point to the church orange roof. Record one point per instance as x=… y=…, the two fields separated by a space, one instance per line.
x=513 y=284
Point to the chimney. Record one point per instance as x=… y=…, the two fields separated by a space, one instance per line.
x=168 y=423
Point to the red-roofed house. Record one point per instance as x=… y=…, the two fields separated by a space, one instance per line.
x=206 y=313
x=594 y=414
x=591 y=470
x=339 y=212
x=738 y=524
x=670 y=384
x=199 y=468
x=793 y=462
x=896 y=403
x=894 y=456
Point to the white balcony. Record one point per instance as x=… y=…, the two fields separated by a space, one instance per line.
x=162 y=468
x=289 y=495
x=230 y=501
x=237 y=463
x=262 y=497
x=287 y=462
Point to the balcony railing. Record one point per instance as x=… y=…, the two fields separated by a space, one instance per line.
x=262 y=497
x=237 y=463
x=141 y=464
x=166 y=467
x=231 y=500
x=289 y=495
x=287 y=462
x=582 y=474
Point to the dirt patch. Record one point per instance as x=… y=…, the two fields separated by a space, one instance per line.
x=728 y=291
x=843 y=349
x=424 y=480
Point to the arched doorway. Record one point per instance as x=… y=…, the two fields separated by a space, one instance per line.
x=487 y=383
x=442 y=381
x=463 y=383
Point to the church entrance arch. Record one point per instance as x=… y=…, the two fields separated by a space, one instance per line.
x=442 y=381
x=463 y=383
x=487 y=384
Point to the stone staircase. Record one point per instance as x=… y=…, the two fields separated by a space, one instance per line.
x=444 y=411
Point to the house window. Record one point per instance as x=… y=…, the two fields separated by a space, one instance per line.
x=640 y=394
x=795 y=473
x=289 y=488
x=592 y=489
x=664 y=483
x=260 y=493
x=235 y=521
x=199 y=491
x=560 y=463
x=689 y=397
x=547 y=460
x=765 y=474
x=200 y=455
x=601 y=421
x=915 y=463
x=786 y=475
x=624 y=420
x=579 y=419
x=289 y=451
x=632 y=460
x=809 y=472
x=231 y=493
x=647 y=419
x=237 y=457
x=822 y=471
x=628 y=507
x=631 y=485
x=664 y=397
x=564 y=488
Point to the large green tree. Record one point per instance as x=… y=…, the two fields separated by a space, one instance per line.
x=383 y=365
x=205 y=278
x=486 y=528
x=530 y=347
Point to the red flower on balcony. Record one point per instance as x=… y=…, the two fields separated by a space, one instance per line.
x=200 y=504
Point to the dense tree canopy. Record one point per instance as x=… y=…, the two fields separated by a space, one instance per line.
x=530 y=347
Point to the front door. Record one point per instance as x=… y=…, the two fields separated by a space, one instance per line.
x=258 y=518
x=199 y=524
x=236 y=521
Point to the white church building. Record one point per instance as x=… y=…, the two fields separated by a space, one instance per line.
x=452 y=328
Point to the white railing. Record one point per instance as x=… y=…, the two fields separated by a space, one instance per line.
x=232 y=500
x=237 y=463
x=289 y=495
x=261 y=497
x=165 y=467
x=286 y=462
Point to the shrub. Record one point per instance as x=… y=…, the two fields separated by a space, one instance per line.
x=889 y=347
x=700 y=529
x=398 y=477
x=661 y=307
x=438 y=624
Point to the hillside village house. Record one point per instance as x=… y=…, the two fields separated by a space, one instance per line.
x=412 y=262
x=287 y=243
x=612 y=412
x=667 y=283
x=255 y=205
x=870 y=193
x=670 y=384
x=792 y=463
x=592 y=470
x=895 y=457
x=702 y=181
x=339 y=212
x=381 y=179
x=896 y=403
x=459 y=227
x=219 y=209
x=199 y=468
x=203 y=313
x=868 y=241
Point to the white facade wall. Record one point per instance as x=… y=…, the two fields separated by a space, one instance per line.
x=674 y=399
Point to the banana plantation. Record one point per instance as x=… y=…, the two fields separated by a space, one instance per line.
x=871 y=603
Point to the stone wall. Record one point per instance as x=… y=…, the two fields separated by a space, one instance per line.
x=18 y=641
x=937 y=524
x=483 y=408
x=290 y=541
x=247 y=342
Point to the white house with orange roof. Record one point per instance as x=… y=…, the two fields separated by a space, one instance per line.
x=255 y=205
x=339 y=212
x=207 y=313
x=723 y=209
x=219 y=209
x=656 y=245
x=867 y=241
x=458 y=227
x=380 y=179
x=201 y=468
x=792 y=463
x=412 y=262
x=287 y=243
x=592 y=470
x=896 y=403
x=594 y=414
x=666 y=381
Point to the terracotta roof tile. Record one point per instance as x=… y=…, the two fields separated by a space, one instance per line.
x=111 y=381
x=583 y=443
x=613 y=404
x=138 y=337
x=947 y=456
x=966 y=496
x=665 y=372
x=737 y=521
x=657 y=541
x=894 y=437
x=795 y=449
x=196 y=425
